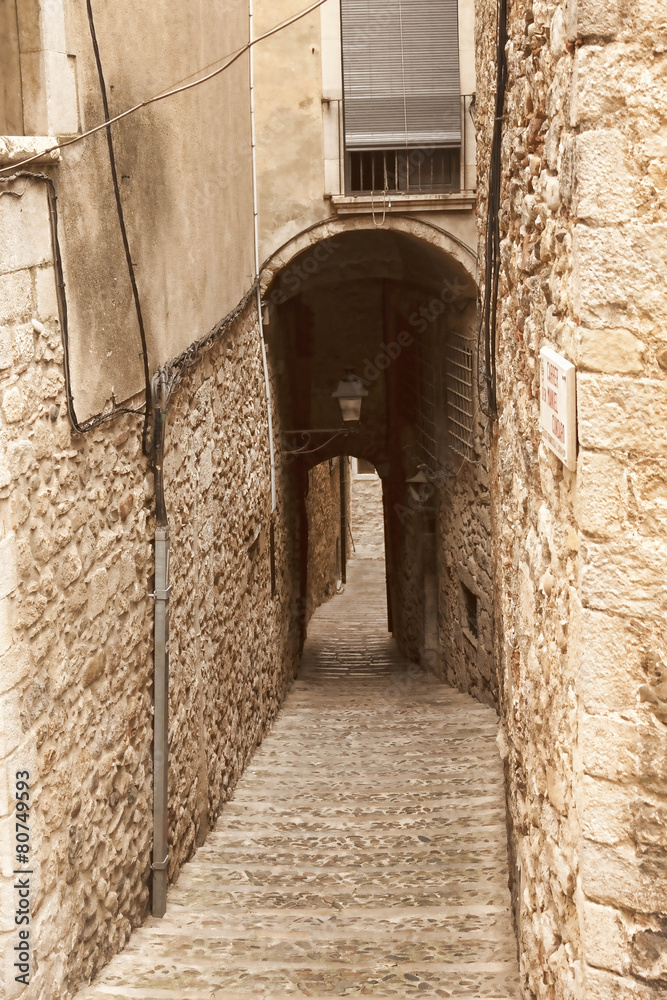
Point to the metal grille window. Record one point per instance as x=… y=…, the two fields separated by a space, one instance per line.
x=460 y=397
x=407 y=170
x=429 y=399
x=400 y=74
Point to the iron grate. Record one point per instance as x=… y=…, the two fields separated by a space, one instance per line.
x=460 y=397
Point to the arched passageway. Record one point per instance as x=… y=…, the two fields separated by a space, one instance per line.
x=399 y=310
x=364 y=850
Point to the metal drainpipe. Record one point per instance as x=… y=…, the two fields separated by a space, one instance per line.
x=255 y=214
x=160 y=665
x=343 y=519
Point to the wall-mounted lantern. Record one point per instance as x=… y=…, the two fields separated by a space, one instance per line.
x=350 y=393
x=420 y=486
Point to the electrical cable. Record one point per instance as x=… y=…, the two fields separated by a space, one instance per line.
x=123 y=230
x=489 y=314
x=234 y=57
x=61 y=299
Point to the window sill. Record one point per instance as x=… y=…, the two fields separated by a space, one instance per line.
x=15 y=148
x=455 y=201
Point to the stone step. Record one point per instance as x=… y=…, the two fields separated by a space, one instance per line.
x=363 y=852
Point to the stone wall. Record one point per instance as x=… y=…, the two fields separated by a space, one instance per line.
x=465 y=577
x=76 y=620
x=442 y=561
x=366 y=517
x=234 y=638
x=581 y=557
x=75 y=636
x=324 y=543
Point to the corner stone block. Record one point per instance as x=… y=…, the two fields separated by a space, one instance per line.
x=14 y=666
x=635 y=879
x=598 y=505
x=612 y=351
x=604 y=183
x=628 y=576
x=6 y=625
x=15 y=296
x=45 y=288
x=622 y=750
x=622 y=413
x=605 y=939
x=617 y=275
x=601 y=985
x=25 y=233
x=609 y=662
x=10 y=731
x=591 y=18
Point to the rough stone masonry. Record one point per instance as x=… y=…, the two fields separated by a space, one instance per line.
x=581 y=558
x=76 y=563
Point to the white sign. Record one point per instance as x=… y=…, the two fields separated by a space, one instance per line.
x=558 y=406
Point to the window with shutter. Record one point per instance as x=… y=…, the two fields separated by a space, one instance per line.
x=401 y=74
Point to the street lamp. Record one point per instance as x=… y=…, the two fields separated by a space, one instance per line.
x=420 y=486
x=350 y=393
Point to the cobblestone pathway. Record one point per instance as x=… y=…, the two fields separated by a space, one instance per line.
x=364 y=851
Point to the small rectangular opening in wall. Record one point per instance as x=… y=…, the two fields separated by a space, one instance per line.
x=365 y=468
x=470 y=601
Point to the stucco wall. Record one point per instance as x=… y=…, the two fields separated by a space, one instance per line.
x=581 y=558
x=185 y=177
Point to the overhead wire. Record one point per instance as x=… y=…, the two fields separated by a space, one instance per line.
x=123 y=230
x=185 y=361
x=489 y=313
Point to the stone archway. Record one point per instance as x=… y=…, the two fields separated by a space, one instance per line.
x=312 y=237
x=348 y=294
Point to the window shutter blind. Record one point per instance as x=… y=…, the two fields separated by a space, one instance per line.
x=400 y=73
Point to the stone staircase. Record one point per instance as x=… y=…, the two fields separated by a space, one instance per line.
x=364 y=850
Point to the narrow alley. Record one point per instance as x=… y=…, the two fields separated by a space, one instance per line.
x=364 y=851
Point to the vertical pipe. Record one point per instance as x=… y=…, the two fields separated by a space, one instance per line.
x=160 y=665
x=462 y=163
x=161 y=724
x=255 y=212
x=343 y=518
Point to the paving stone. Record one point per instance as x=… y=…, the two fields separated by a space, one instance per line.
x=364 y=850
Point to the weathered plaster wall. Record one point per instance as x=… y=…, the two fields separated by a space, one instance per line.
x=288 y=116
x=185 y=177
x=581 y=557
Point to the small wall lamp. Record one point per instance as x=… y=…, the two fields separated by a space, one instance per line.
x=420 y=486
x=350 y=393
